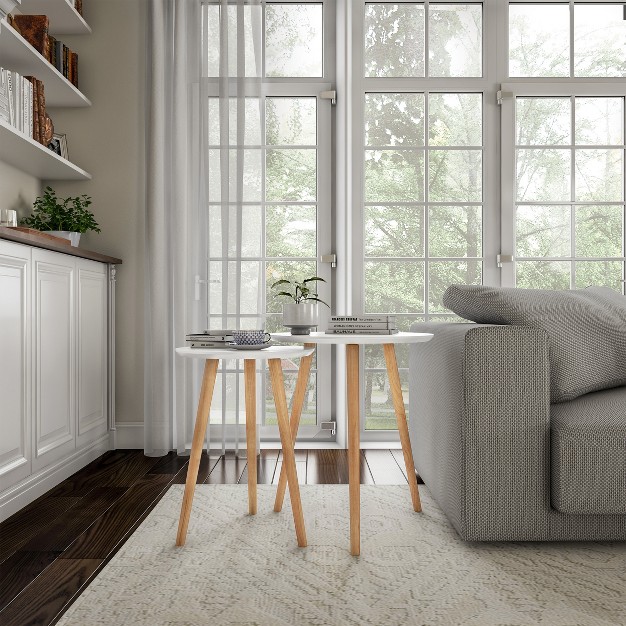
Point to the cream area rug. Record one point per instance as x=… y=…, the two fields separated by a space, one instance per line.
x=413 y=569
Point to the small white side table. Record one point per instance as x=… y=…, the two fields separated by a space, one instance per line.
x=273 y=356
x=353 y=343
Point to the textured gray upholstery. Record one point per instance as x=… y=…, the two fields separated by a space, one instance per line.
x=589 y=453
x=480 y=431
x=586 y=330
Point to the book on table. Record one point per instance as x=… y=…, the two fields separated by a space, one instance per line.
x=362 y=325
x=211 y=339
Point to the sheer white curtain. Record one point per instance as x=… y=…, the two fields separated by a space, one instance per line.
x=203 y=235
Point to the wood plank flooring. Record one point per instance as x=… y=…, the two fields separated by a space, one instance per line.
x=53 y=548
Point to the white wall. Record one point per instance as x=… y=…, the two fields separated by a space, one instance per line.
x=107 y=140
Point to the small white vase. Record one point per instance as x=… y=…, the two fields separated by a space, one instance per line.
x=300 y=317
x=66 y=234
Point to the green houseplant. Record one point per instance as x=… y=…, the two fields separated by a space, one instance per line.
x=302 y=313
x=64 y=217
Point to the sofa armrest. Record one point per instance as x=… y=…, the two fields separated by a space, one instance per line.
x=480 y=406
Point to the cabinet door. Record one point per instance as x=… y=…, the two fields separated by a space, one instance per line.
x=92 y=351
x=54 y=331
x=15 y=457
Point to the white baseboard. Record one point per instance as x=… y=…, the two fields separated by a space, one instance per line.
x=18 y=496
x=128 y=436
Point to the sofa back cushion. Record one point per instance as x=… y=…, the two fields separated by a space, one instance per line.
x=586 y=330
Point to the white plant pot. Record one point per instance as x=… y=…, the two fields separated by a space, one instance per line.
x=66 y=234
x=300 y=317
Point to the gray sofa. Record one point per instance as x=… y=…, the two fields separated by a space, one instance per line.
x=502 y=462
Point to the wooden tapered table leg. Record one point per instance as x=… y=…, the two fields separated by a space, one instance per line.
x=403 y=429
x=296 y=411
x=289 y=462
x=354 y=446
x=202 y=417
x=249 y=374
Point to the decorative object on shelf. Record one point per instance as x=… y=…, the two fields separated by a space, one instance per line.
x=301 y=315
x=64 y=217
x=8 y=217
x=58 y=145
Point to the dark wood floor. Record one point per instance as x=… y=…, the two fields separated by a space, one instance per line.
x=51 y=549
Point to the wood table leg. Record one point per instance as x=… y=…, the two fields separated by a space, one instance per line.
x=249 y=374
x=296 y=411
x=354 y=446
x=282 y=414
x=403 y=429
x=202 y=417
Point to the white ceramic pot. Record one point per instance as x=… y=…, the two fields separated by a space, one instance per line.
x=300 y=317
x=66 y=234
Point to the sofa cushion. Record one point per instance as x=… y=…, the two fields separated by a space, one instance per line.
x=586 y=329
x=588 y=440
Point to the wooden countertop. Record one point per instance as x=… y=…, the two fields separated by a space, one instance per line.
x=31 y=240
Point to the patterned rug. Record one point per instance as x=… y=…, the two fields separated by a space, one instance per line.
x=413 y=569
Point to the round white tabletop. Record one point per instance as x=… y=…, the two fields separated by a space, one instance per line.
x=271 y=352
x=323 y=338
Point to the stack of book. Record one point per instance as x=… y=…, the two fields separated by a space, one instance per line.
x=34 y=28
x=210 y=339
x=362 y=325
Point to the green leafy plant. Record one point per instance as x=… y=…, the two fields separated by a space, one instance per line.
x=302 y=291
x=69 y=214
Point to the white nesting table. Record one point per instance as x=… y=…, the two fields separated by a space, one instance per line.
x=353 y=344
x=273 y=356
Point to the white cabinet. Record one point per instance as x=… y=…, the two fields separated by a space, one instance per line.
x=55 y=369
x=91 y=351
x=15 y=446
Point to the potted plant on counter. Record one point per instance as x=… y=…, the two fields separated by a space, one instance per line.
x=302 y=314
x=62 y=217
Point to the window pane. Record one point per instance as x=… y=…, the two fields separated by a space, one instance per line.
x=539 y=40
x=291 y=121
x=455 y=176
x=250 y=229
x=394 y=231
x=442 y=274
x=289 y=270
x=455 y=231
x=293 y=40
x=599 y=40
x=394 y=175
x=600 y=175
x=543 y=121
x=290 y=231
x=247 y=178
x=247 y=274
x=455 y=40
x=600 y=274
x=252 y=122
x=394 y=119
x=291 y=175
x=309 y=408
x=394 y=287
x=543 y=231
x=599 y=231
x=543 y=175
x=600 y=121
x=379 y=411
x=543 y=274
x=394 y=40
x=455 y=119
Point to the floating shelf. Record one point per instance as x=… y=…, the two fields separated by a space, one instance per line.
x=64 y=18
x=18 y=55
x=30 y=156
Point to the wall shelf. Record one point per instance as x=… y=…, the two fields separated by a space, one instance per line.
x=64 y=18
x=18 y=55
x=30 y=156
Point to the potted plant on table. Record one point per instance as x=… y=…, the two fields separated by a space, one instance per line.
x=63 y=217
x=302 y=314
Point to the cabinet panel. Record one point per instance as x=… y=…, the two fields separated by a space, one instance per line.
x=92 y=351
x=15 y=458
x=55 y=362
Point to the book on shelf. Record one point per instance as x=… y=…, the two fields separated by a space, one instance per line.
x=17 y=100
x=34 y=28
x=357 y=331
x=368 y=319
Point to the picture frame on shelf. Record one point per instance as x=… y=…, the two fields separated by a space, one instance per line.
x=58 y=145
